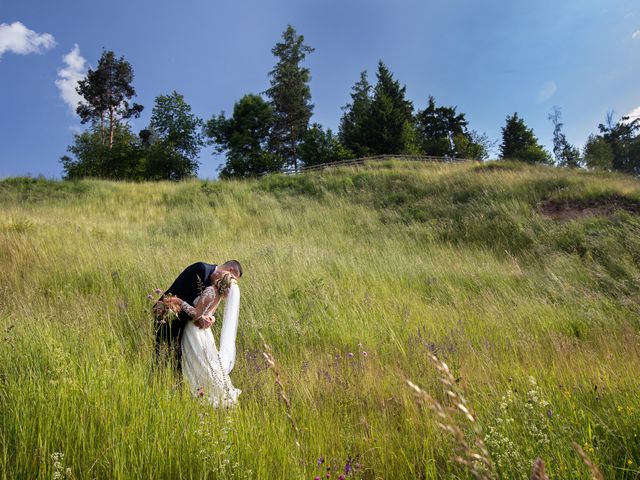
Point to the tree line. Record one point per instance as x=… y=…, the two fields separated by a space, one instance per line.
x=271 y=131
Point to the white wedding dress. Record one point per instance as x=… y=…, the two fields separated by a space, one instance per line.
x=205 y=368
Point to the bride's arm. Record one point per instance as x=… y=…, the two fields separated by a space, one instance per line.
x=177 y=305
x=208 y=303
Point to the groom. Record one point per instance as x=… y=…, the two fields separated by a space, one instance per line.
x=188 y=287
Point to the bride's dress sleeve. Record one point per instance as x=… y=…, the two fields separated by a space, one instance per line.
x=205 y=300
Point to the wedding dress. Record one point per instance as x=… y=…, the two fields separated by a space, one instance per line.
x=205 y=368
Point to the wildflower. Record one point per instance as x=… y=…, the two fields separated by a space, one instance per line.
x=158 y=291
x=328 y=475
x=316 y=477
x=342 y=477
x=150 y=297
x=550 y=413
x=347 y=466
x=200 y=392
x=320 y=461
x=364 y=354
x=350 y=355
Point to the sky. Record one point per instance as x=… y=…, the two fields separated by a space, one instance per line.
x=490 y=58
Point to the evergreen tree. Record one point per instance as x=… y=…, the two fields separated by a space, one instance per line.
x=244 y=138
x=566 y=155
x=106 y=92
x=290 y=95
x=390 y=125
x=519 y=142
x=438 y=128
x=173 y=140
x=321 y=146
x=354 y=122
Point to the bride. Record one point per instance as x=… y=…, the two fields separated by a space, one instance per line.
x=205 y=368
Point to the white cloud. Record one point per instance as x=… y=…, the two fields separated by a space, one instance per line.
x=69 y=76
x=19 y=39
x=547 y=91
x=633 y=114
x=636 y=35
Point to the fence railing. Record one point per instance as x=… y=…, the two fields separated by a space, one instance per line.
x=362 y=160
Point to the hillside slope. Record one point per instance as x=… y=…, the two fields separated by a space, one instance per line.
x=524 y=280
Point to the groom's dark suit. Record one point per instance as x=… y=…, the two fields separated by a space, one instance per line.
x=188 y=286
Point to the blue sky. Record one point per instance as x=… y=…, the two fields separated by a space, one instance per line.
x=490 y=58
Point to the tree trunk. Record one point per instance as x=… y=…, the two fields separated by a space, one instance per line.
x=293 y=151
x=110 y=128
x=102 y=128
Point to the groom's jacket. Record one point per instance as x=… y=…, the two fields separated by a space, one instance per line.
x=187 y=287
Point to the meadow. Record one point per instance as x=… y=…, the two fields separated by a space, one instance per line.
x=524 y=280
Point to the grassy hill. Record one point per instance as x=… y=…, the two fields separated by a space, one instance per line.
x=523 y=280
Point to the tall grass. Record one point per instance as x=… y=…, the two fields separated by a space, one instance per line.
x=354 y=277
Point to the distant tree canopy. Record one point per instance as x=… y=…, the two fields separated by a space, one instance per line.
x=598 y=154
x=290 y=96
x=442 y=132
x=245 y=138
x=624 y=140
x=172 y=143
x=566 y=155
x=106 y=92
x=166 y=150
x=390 y=122
x=519 y=142
x=354 y=122
x=94 y=158
x=273 y=133
x=320 y=146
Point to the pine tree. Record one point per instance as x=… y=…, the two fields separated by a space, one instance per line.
x=519 y=142
x=390 y=124
x=354 y=122
x=106 y=92
x=441 y=129
x=290 y=95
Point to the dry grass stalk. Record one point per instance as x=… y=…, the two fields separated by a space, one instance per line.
x=281 y=391
x=537 y=472
x=596 y=474
x=474 y=457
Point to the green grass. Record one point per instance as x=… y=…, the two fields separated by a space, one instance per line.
x=396 y=260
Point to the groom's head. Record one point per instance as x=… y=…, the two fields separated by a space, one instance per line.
x=231 y=266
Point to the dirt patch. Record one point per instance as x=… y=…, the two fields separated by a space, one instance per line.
x=604 y=207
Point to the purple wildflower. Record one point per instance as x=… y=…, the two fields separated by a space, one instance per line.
x=158 y=291
x=364 y=354
x=316 y=477
x=150 y=297
x=328 y=475
x=347 y=466
x=320 y=461
x=342 y=477
x=350 y=355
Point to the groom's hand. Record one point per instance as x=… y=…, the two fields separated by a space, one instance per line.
x=205 y=321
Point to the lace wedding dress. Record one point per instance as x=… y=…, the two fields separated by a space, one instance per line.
x=205 y=368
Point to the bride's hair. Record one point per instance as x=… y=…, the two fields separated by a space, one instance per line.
x=233 y=264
